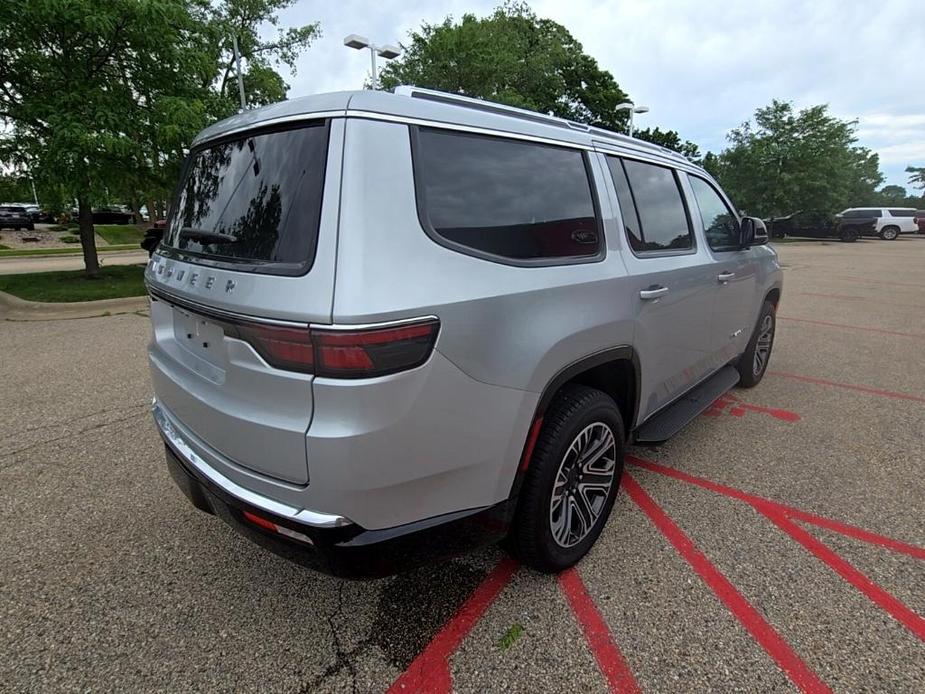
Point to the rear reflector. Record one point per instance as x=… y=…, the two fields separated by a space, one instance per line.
x=272 y=527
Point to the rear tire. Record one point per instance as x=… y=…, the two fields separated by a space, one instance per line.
x=754 y=361
x=848 y=235
x=572 y=480
x=890 y=233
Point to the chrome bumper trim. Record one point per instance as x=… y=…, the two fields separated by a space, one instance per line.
x=173 y=437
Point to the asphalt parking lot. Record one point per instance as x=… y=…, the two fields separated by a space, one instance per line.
x=777 y=544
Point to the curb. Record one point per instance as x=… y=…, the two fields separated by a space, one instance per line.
x=16 y=309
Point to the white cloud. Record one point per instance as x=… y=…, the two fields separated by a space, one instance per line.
x=702 y=66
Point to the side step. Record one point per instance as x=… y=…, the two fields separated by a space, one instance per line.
x=671 y=420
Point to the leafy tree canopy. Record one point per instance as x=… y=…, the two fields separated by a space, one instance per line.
x=788 y=161
x=512 y=57
x=671 y=140
x=917 y=177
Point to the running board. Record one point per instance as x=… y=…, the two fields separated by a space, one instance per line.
x=671 y=420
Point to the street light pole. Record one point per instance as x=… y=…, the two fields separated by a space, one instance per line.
x=386 y=51
x=632 y=108
x=237 y=60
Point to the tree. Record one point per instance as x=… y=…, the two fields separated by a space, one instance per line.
x=513 y=57
x=102 y=97
x=892 y=195
x=917 y=177
x=789 y=161
x=672 y=140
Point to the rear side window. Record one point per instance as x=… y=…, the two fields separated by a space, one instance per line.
x=498 y=198
x=657 y=219
x=719 y=223
x=253 y=202
x=903 y=213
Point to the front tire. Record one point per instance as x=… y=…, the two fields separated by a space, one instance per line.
x=754 y=361
x=848 y=235
x=889 y=233
x=572 y=480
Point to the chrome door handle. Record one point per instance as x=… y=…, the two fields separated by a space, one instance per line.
x=652 y=293
x=724 y=277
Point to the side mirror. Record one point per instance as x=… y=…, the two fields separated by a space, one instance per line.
x=752 y=232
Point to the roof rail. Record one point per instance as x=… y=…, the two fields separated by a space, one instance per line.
x=534 y=116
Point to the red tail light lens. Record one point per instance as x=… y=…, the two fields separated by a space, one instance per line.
x=342 y=353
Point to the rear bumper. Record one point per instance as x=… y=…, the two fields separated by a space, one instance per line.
x=331 y=544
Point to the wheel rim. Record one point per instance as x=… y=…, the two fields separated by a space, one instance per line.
x=763 y=346
x=889 y=234
x=583 y=482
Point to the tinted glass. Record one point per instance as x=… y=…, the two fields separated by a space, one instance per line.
x=903 y=213
x=719 y=224
x=507 y=198
x=627 y=206
x=662 y=216
x=261 y=194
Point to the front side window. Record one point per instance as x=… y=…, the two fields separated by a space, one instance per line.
x=505 y=198
x=253 y=202
x=657 y=219
x=719 y=223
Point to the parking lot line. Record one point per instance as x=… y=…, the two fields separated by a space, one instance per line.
x=898 y=610
x=609 y=658
x=766 y=636
x=866 y=280
x=845 y=326
x=790 y=511
x=848 y=386
x=429 y=672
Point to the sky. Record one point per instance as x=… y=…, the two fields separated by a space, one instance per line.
x=701 y=66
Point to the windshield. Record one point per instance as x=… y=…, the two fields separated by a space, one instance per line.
x=254 y=201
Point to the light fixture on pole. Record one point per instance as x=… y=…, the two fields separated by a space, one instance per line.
x=632 y=108
x=386 y=51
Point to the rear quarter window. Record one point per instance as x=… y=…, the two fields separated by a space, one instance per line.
x=252 y=202
x=505 y=200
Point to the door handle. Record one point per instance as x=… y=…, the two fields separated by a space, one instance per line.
x=724 y=277
x=653 y=292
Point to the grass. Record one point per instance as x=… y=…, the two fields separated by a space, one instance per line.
x=17 y=252
x=510 y=636
x=116 y=281
x=119 y=233
x=4 y=248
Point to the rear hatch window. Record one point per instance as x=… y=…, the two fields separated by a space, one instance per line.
x=252 y=202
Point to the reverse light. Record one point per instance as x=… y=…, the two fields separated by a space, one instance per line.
x=272 y=527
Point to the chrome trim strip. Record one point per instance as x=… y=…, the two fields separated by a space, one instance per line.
x=181 y=447
x=372 y=326
x=269 y=123
x=206 y=310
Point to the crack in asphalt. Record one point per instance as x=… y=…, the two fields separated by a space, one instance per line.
x=343 y=657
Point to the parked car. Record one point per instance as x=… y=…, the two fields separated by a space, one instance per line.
x=890 y=222
x=15 y=217
x=153 y=236
x=818 y=225
x=517 y=298
x=920 y=221
x=111 y=215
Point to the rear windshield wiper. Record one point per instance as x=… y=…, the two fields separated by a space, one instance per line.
x=206 y=236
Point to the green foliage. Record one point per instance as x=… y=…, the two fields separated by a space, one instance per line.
x=510 y=636
x=512 y=57
x=787 y=161
x=672 y=140
x=917 y=177
x=114 y=282
x=15 y=188
x=119 y=233
x=69 y=238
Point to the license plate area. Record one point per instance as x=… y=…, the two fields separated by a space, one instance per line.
x=199 y=336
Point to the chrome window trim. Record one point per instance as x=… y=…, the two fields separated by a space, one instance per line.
x=180 y=446
x=159 y=294
x=373 y=326
x=269 y=123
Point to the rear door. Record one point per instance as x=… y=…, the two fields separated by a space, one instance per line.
x=246 y=263
x=735 y=283
x=674 y=281
x=904 y=219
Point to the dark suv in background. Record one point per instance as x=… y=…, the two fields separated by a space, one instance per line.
x=15 y=217
x=820 y=225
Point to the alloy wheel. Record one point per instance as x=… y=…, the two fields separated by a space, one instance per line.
x=583 y=482
x=763 y=346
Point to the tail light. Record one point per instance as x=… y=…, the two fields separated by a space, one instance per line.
x=340 y=353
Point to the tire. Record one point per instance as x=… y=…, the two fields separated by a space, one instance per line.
x=890 y=233
x=753 y=363
x=578 y=420
x=848 y=234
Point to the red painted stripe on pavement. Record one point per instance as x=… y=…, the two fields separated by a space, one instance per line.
x=609 y=659
x=821 y=551
x=429 y=672
x=772 y=642
x=845 y=326
x=848 y=386
x=870 y=281
x=761 y=502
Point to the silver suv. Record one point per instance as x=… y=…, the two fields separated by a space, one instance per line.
x=389 y=327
